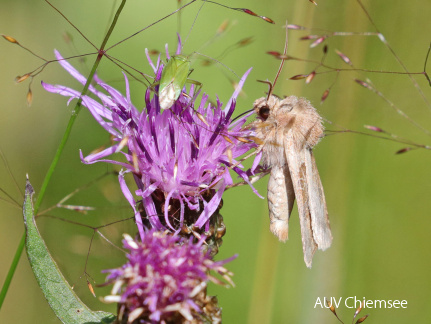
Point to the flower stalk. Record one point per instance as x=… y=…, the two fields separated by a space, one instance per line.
x=58 y=153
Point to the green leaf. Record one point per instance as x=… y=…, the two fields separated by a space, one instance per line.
x=60 y=296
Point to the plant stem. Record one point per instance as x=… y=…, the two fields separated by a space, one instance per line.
x=60 y=149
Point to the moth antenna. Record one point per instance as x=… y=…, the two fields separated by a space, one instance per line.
x=270 y=85
x=286 y=42
x=283 y=58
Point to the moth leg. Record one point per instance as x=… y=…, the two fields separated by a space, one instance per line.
x=280 y=201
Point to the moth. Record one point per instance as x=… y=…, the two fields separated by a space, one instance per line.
x=288 y=129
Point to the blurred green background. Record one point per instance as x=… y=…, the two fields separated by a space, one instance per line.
x=379 y=202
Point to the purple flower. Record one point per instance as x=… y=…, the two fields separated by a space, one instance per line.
x=179 y=157
x=164 y=280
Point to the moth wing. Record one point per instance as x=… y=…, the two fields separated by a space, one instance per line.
x=281 y=197
x=295 y=157
x=317 y=204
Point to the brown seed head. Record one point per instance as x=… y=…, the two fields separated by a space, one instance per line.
x=362 y=319
x=10 y=39
x=324 y=96
x=21 y=78
x=29 y=97
x=222 y=28
x=310 y=77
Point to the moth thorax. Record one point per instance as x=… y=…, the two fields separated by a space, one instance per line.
x=306 y=124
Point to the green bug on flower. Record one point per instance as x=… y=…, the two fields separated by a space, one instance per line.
x=174 y=77
x=176 y=72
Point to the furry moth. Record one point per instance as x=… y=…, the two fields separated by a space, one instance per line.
x=289 y=128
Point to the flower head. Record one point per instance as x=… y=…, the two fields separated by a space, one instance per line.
x=164 y=281
x=179 y=158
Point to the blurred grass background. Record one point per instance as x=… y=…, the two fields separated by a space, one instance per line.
x=379 y=202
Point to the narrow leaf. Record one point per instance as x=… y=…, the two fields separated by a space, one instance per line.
x=245 y=41
x=364 y=84
x=325 y=49
x=374 y=128
x=299 y=77
x=29 y=97
x=252 y=13
x=344 y=57
x=403 y=150
x=310 y=77
x=10 y=39
x=295 y=27
x=331 y=307
x=362 y=319
x=317 y=41
x=90 y=287
x=273 y=53
x=309 y=37
x=60 y=296
x=222 y=28
x=68 y=38
x=21 y=78
x=358 y=310
x=324 y=96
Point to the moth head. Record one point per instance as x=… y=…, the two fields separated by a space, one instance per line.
x=264 y=107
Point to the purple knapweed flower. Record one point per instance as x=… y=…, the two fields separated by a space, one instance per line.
x=180 y=158
x=164 y=281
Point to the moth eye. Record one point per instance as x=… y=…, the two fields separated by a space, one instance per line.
x=264 y=112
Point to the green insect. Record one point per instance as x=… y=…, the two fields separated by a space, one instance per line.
x=174 y=77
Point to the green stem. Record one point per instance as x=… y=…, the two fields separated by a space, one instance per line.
x=12 y=269
x=60 y=149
